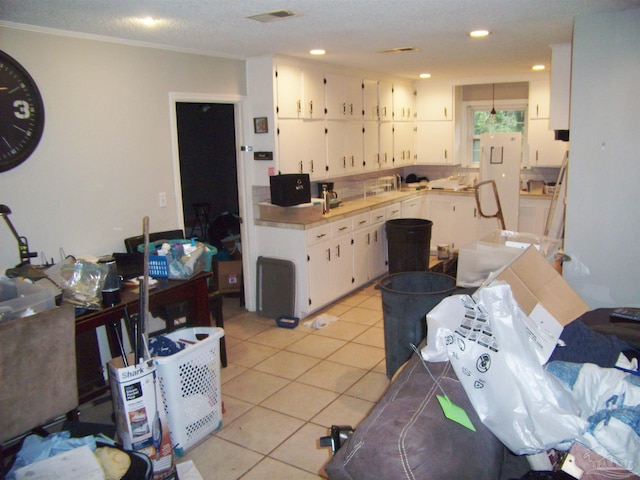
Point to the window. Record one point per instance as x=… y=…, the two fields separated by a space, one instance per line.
x=507 y=119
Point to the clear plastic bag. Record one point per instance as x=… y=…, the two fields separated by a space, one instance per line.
x=486 y=341
x=82 y=283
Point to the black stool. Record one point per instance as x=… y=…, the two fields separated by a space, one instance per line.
x=201 y=220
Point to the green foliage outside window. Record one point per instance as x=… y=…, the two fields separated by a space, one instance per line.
x=502 y=121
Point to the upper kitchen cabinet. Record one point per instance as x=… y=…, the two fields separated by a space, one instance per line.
x=288 y=91
x=539 y=99
x=434 y=101
x=300 y=92
x=434 y=143
x=377 y=100
x=344 y=148
x=385 y=96
x=343 y=97
x=544 y=149
x=403 y=103
x=403 y=150
x=302 y=147
x=560 y=86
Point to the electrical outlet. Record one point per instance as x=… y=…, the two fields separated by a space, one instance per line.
x=162 y=199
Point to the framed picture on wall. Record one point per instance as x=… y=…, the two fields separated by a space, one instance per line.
x=260 y=125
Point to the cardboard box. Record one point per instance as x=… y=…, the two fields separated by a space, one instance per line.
x=228 y=273
x=141 y=420
x=586 y=464
x=477 y=260
x=543 y=295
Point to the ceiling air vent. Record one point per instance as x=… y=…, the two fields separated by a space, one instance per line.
x=273 y=16
x=400 y=50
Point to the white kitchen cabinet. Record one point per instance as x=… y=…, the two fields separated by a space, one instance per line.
x=560 y=86
x=369 y=247
x=313 y=94
x=385 y=133
x=385 y=96
x=393 y=211
x=320 y=273
x=455 y=219
x=434 y=143
x=345 y=144
x=544 y=149
x=434 y=102
x=539 y=99
x=403 y=103
x=370 y=99
x=343 y=97
x=403 y=134
x=372 y=159
x=288 y=90
x=414 y=207
x=532 y=215
x=302 y=147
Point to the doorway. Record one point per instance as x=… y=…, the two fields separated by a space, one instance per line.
x=208 y=168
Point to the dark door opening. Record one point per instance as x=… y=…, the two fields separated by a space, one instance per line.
x=208 y=166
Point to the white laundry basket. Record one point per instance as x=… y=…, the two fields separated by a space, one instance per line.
x=190 y=386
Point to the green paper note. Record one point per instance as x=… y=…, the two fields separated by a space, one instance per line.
x=454 y=412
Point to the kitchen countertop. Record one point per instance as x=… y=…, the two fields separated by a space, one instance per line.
x=361 y=205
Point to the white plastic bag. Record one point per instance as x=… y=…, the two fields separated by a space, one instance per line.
x=527 y=408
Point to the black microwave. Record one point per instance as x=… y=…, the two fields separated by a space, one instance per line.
x=290 y=189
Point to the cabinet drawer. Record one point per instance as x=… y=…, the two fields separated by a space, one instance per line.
x=393 y=211
x=378 y=215
x=341 y=227
x=318 y=234
x=361 y=220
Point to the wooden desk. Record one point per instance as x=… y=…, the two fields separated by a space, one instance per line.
x=194 y=291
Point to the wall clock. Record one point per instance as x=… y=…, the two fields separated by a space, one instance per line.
x=21 y=113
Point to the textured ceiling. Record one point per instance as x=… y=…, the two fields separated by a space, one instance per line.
x=353 y=32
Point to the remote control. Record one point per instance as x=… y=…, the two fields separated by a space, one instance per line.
x=626 y=314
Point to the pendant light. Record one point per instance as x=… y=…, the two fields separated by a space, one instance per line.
x=493 y=102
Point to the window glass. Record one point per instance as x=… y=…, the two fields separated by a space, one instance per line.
x=507 y=120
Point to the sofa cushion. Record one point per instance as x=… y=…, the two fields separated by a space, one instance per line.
x=407 y=436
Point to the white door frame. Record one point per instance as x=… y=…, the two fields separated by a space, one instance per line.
x=244 y=195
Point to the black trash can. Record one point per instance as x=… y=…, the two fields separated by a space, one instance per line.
x=406 y=299
x=408 y=244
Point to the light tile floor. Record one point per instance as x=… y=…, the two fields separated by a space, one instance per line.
x=284 y=388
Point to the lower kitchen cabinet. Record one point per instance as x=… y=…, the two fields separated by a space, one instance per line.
x=455 y=219
x=532 y=215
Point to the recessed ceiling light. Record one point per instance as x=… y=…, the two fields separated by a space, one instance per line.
x=148 y=21
x=479 y=33
x=537 y=68
x=317 y=51
x=425 y=75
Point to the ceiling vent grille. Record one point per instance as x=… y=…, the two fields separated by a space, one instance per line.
x=400 y=50
x=273 y=16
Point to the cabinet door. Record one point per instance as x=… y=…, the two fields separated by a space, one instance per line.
x=344 y=97
x=342 y=265
x=539 y=99
x=289 y=88
x=315 y=149
x=465 y=228
x=434 y=143
x=434 y=102
x=414 y=208
x=291 y=146
x=532 y=216
x=371 y=157
x=345 y=145
x=385 y=95
x=361 y=253
x=403 y=143
x=544 y=149
x=320 y=274
x=442 y=215
x=403 y=109
x=313 y=90
x=385 y=130
x=378 y=254
x=354 y=144
x=370 y=99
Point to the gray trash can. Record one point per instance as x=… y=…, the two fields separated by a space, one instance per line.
x=406 y=299
x=408 y=244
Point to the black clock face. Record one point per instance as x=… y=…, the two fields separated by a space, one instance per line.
x=21 y=113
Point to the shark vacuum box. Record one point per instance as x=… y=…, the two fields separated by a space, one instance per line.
x=290 y=189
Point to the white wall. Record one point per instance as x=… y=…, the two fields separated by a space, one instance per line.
x=106 y=150
x=603 y=216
